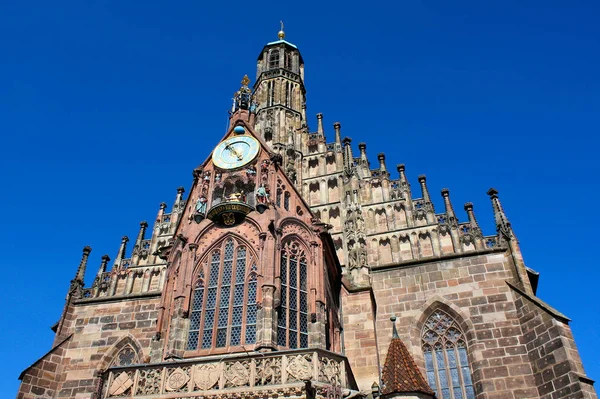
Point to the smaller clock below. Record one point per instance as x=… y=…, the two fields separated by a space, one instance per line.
x=235 y=152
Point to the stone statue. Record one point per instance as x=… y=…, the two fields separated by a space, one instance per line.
x=262 y=194
x=201 y=205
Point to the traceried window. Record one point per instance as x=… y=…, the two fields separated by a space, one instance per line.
x=446 y=362
x=223 y=311
x=292 y=318
x=126 y=356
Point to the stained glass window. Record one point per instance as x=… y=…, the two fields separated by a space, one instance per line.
x=292 y=319
x=446 y=363
x=223 y=299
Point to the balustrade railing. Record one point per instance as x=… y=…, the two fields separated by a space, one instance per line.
x=273 y=372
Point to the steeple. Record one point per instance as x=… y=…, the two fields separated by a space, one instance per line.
x=502 y=223
x=77 y=283
x=279 y=94
x=401 y=375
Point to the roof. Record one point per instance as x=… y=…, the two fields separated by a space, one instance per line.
x=282 y=41
x=400 y=372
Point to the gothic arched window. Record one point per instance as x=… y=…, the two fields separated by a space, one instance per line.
x=292 y=318
x=274 y=59
x=223 y=311
x=126 y=356
x=446 y=362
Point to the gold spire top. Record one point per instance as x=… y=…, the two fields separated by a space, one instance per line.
x=245 y=80
x=281 y=33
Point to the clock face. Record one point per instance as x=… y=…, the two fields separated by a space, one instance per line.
x=235 y=152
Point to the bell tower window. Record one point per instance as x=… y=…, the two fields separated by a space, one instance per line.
x=274 y=59
x=292 y=320
x=446 y=362
x=223 y=311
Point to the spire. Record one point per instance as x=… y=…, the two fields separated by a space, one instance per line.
x=502 y=223
x=424 y=190
x=362 y=147
x=102 y=269
x=122 y=250
x=348 y=157
x=141 y=234
x=281 y=33
x=79 y=276
x=381 y=158
x=401 y=169
x=448 y=204
x=161 y=211
x=471 y=214
x=400 y=372
x=338 y=134
x=320 y=124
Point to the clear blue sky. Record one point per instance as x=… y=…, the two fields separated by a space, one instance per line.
x=107 y=106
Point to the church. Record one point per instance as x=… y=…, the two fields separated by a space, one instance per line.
x=293 y=268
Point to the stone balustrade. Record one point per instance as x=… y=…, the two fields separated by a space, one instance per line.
x=254 y=375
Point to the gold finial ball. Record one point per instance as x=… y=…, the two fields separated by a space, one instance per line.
x=281 y=34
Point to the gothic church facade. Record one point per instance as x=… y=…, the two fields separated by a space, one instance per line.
x=280 y=273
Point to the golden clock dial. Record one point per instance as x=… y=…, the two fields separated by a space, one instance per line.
x=235 y=152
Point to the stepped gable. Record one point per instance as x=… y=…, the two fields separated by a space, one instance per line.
x=400 y=372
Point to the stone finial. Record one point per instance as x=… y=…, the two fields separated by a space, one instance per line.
x=471 y=214
x=122 y=251
x=502 y=224
x=338 y=132
x=424 y=189
x=103 y=263
x=347 y=140
x=79 y=276
x=320 y=123
x=394 y=330
x=447 y=202
x=180 y=190
x=141 y=233
x=163 y=205
x=381 y=158
x=401 y=168
x=362 y=147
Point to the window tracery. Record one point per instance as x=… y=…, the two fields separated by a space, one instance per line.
x=292 y=318
x=125 y=357
x=446 y=362
x=223 y=311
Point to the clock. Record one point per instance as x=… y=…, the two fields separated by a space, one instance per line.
x=235 y=152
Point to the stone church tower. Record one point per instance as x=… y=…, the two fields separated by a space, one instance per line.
x=295 y=269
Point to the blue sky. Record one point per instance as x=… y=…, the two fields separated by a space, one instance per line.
x=107 y=106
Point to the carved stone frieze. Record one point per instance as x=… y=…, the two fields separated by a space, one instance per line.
x=237 y=374
x=206 y=376
x=299 y=367
x=177 y=379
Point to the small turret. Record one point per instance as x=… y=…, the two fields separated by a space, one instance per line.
x=401 y=376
